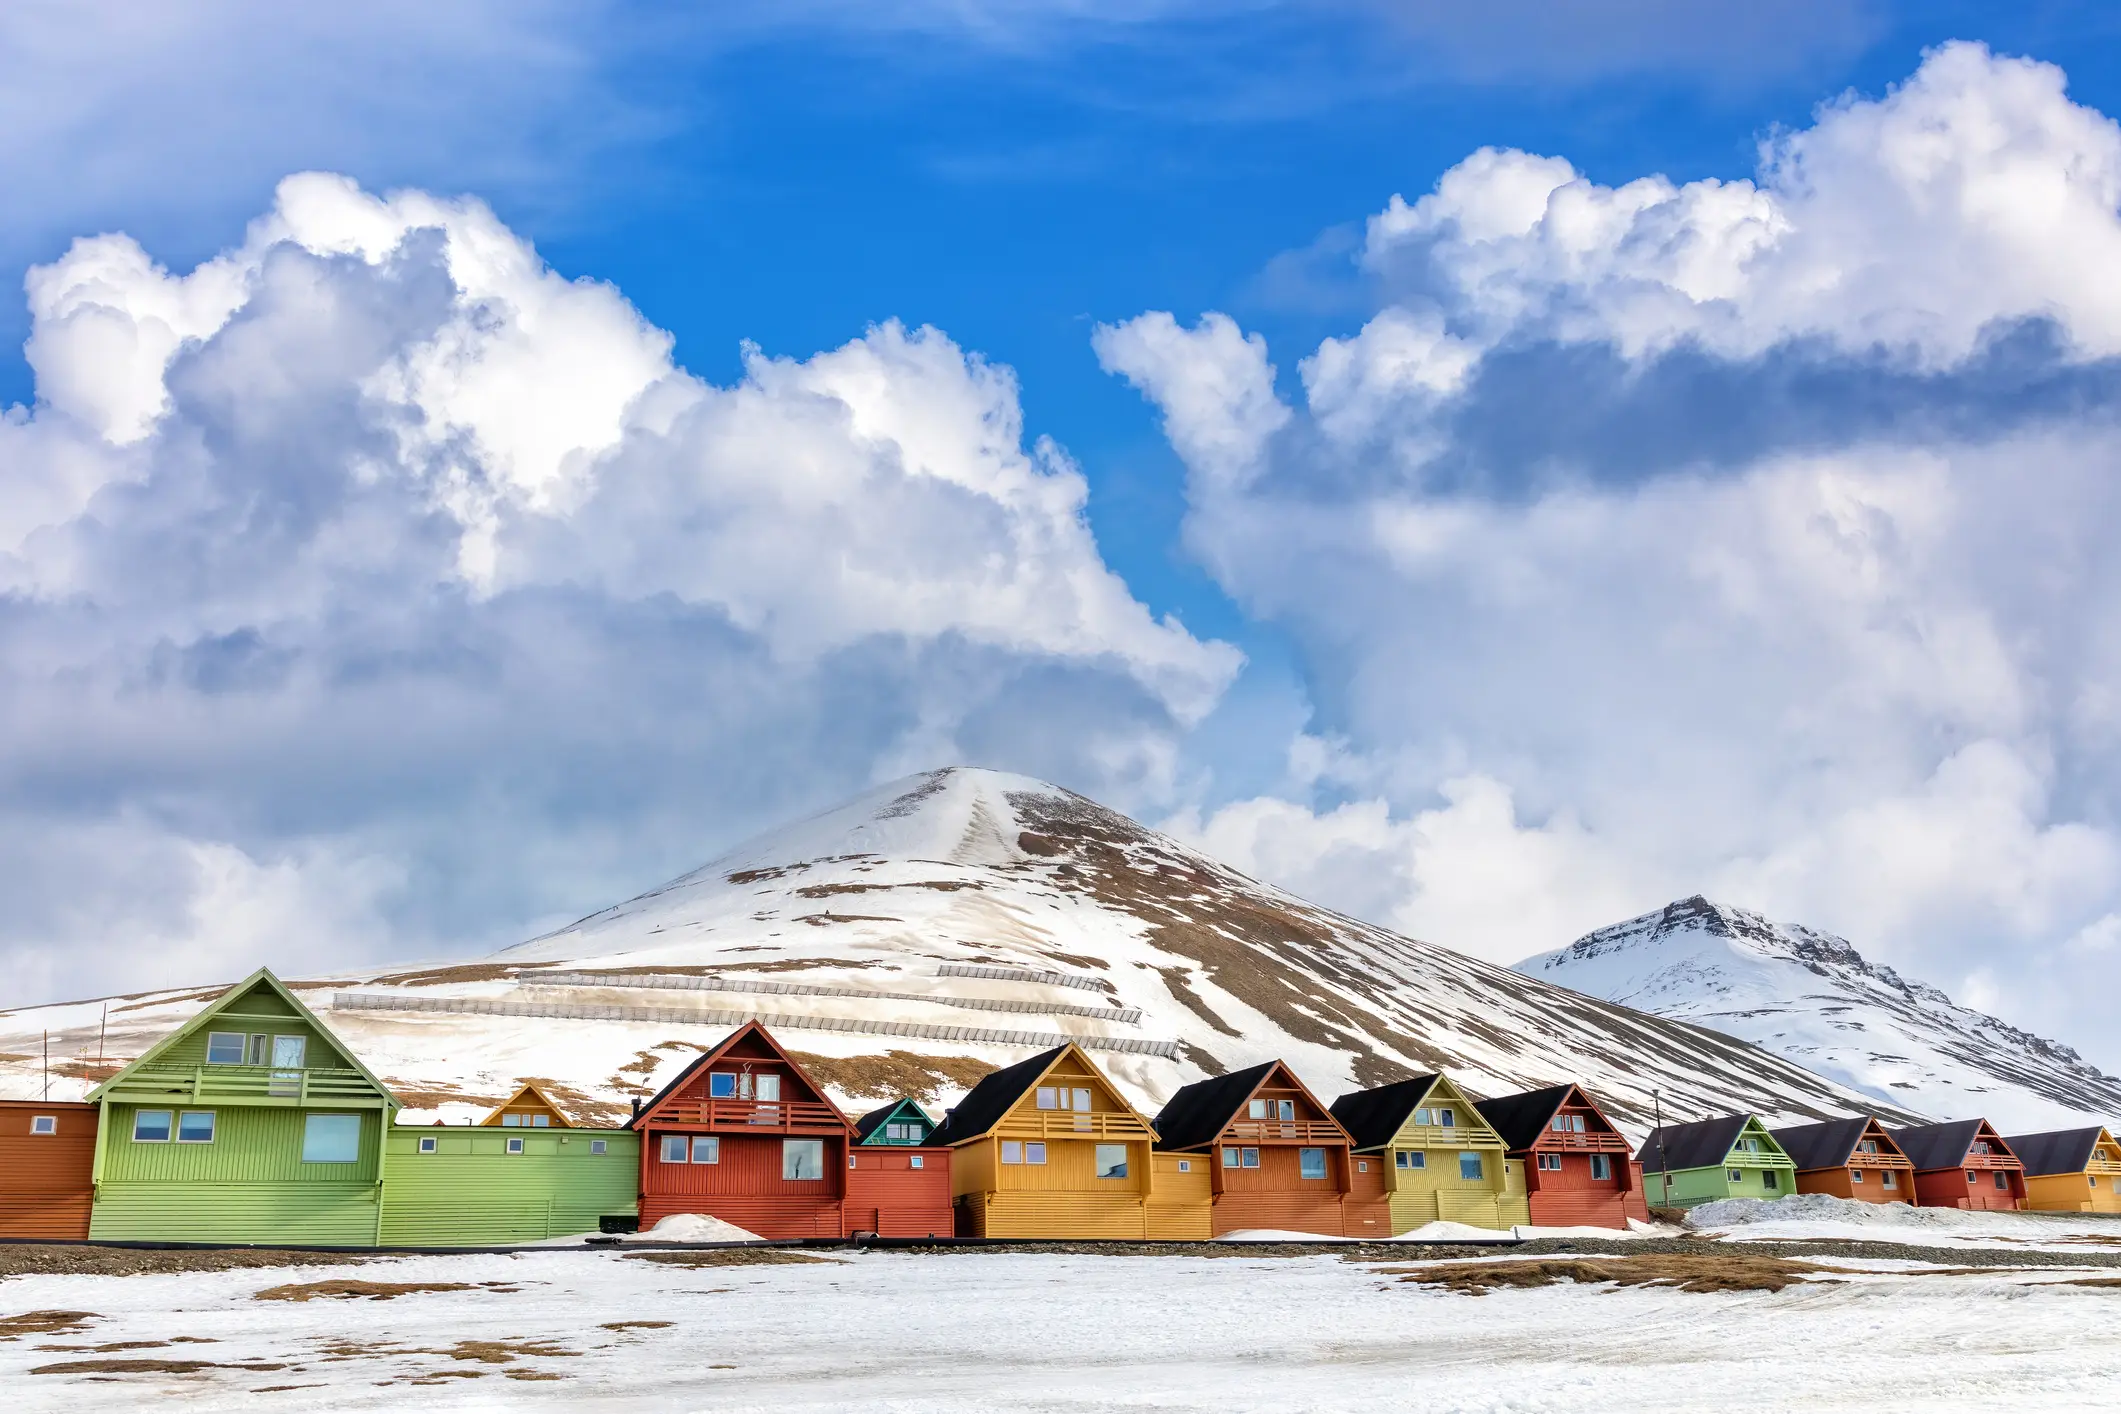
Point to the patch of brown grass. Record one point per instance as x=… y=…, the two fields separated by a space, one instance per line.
x=503 y=1352
x=149 y=1367
x=1685 y=1272
x=351 y=1289
x=637 y=1325
x=104 y=1349
x=2111 y=1283
x=39 y=1259
x=45 y=1323
x=894 y=1073
x=534 y=1375
x=727 y=1257
x=95 y=1071
x=462 y=972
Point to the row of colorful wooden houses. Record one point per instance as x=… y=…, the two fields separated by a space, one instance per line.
x=253 y=1123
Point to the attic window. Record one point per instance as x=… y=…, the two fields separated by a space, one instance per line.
x=1255 y=1109
x=1870 y=1146
x=1981 y=1146
x=224 y=1048
x=1567 y=1124
x=721 y=1085
x=49 y=1124
x=427 y=1145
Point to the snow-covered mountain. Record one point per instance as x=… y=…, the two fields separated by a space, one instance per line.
x=950 y=923
x=1811 y=997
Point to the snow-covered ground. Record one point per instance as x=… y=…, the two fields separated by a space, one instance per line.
x=979 y=1331
x=1818 y=1217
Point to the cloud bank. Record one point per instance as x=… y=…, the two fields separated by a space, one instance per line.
x=1748 y=537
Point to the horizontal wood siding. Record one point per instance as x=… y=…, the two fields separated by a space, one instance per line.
x=1280 y=1170
x=1283 y=1212
x=261 y=1214
x=886 y=1195
x=1837 y=1183
x=2073 y=1193
x=1180 y=1207
x=322 y=1051
x=472 y=1192
x=775 y=1218
x=251 y=1144
x=1581 y=1207
x=44 y=1178
x=749 y=1166
x=1949 y=1188
x=1086 y=1217
x=1070 y=1166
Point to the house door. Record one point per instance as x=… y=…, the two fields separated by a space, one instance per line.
x=287 y=1054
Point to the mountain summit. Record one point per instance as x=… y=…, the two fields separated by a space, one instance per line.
x=1811 y=997
x=944 y=925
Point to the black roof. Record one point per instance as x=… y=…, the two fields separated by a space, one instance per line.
x=2059 y=1151
x=1372 y=1117
x=1938 y=1146
x=985 y=1104
x=870 y=1122
x=1825 y=1145
x=1519 y=1118
x=1703 y=1143
x=1198 y=1112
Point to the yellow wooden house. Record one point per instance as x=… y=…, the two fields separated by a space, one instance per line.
x=1049 y=1148
x=528 y=1108
x=2070 y=1170
x=1436 y=1159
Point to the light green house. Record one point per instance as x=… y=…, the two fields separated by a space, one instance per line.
x=251 y=1123
x=483 y=1185
x=1730 y=1157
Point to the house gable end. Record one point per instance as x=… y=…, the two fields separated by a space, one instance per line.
x=1472 y=1131
x=751 y=1043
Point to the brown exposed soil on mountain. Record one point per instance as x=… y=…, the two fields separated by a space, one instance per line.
x=45 y=1323
x=151 y=1367
x=827 y=919
x=463 y=972
x=1176 y=983
x=894 y=1073
x=433 y=1097
x=354 y=1289
x=93 y=1071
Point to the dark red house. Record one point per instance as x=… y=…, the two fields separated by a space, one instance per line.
x=1963 y=1163
x=1578 y=1169
x=898 y=1185
x=47 y=1153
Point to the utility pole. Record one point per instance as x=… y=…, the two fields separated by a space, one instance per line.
x=102 y=1027
x=47 y=1067
x=1664 y=1170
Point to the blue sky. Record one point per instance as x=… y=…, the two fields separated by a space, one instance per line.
x=1617 y=562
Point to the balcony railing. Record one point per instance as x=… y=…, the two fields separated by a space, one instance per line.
x=245 y=1084
x=1066 y=1124
x=761 y=1115
x=1581 y=1141
x=1443 y=1136
x=1283 y=1131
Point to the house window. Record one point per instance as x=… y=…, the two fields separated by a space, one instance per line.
x=195 y=1127
x=1411 y=1159
x=1568 y=1124
x=721 y=1085
x=802 y=1159
x=515 y=1146
x=1735 y=1176
x=598 y=1146
x=1981 y=1146
x=49 y=1124
x=1425 y=1116
x=1111 y=1161
x=1470 y=1167
x=1856 y=1176
x=1186 y=1166
x=1869 y=1146
x=1310 y=1163
x=1082 y=1101
x=2001 y=1181
x=1050 y=1097
x=151 y=1126
x=706 y=1149
x=224 y=1048
x=1447 y=1118
x=918 y=1161
x=1286 y=1109
x=1767 y=1178
x=1601 y=1167
x=850 y=1161
x=331 y=1138
x=1034 y=1152
x=290 y=1052
x=1550 y=1162
x=259 y=1050
x=511 y=1121
x=767 y=1088
x=674 y=1148
x=1972 y=1177
x=1255 y=1109
x=1362 y=1165
x=427 y=1144
x=1892 y=1180
x=1012 y=1151
x=1233 y=1158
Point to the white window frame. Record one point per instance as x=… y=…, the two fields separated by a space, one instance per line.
x=1856 y=1175
x=1249 y=1157
x=1232 y=1157
x=43 y=1125
x=1447 y=1118
x=1735 y=1175
x=706 y=1148
x=917 y=1161
x=1049 y=1097
x=1413 y=1159
x=1186 y=1166
x=1554 y=1166
x=211 y=1126
x=1082 y=1100
x=599 y=1146
x=1034 y=1152
x=427 y=1144
x=169 y=1126
x=1012 y=1151
x=675 y=1148
x=312 y=1116
x=515 y=1144
x=721 y=1085
x=242 y=1043
x=1255 y=1109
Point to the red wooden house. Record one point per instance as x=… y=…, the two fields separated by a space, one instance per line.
x=1276 y=1157
x=745 y=1136
x=1963 y=1163
x=1579 y=1171
x=47 y=1155
x=898 y=1185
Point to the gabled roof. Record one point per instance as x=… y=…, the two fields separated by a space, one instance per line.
x=220 y=1004
x=1943 y=1146
x=987 y=1102
x=1703 y=1143
x=1519 y=1119
x=2059 y=1151
x=530 y=1088
x=720 y=1052
x=1830 y=1143
x=869 y=1123
x=1199 y=1112
x=1373 y=1116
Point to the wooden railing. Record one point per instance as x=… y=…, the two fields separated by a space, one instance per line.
x=773 y=1115
x=1581 y=1141
x=1990 y=1161
x=244 y=1084
x=1445 y=1136
x=1283 y=1131
x=1067 y=1124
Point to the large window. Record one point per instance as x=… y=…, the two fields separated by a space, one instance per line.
x=706 y=1149
x=1470 y=1166
x=1767 y=1179
x=674 y=1146
x=2001 y=1181
x=1892 y=1180
x=151 y=1126
x=195 y=1127
x=1311 y=1163
x=721 y=1085
x=1111 y=1161
x=224 y=1048
x=331 y=1139
x=1012 y=1151
x=802 y=1158
x=1601 y=1167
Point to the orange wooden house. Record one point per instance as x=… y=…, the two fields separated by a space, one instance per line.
x=47 y=1157
x=528 y=1108
x=1276 y=1157
x=1963 y=1163
x=1579 y=1171
x=1849 y=1158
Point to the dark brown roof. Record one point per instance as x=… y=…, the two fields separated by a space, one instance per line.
x=986 y=1103
x=1520 y=1118
x=2059 y=1151
x=1703 y=1143
x=1825 y=1145
x=1200 y=1111
x=1373 y=1116
x=1939 y=1146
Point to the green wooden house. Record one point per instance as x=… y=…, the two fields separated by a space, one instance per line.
x=251 y=1123
x=1733 y=1156
x=485 y=1185
x=900 y=1122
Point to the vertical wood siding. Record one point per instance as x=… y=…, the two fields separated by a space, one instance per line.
x=1181 y=1205
x=472 y=1192
x=323 y=1050
x=2073 y=1193
x=44 y=1178
x=251 y=1144
x=886 y=1195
